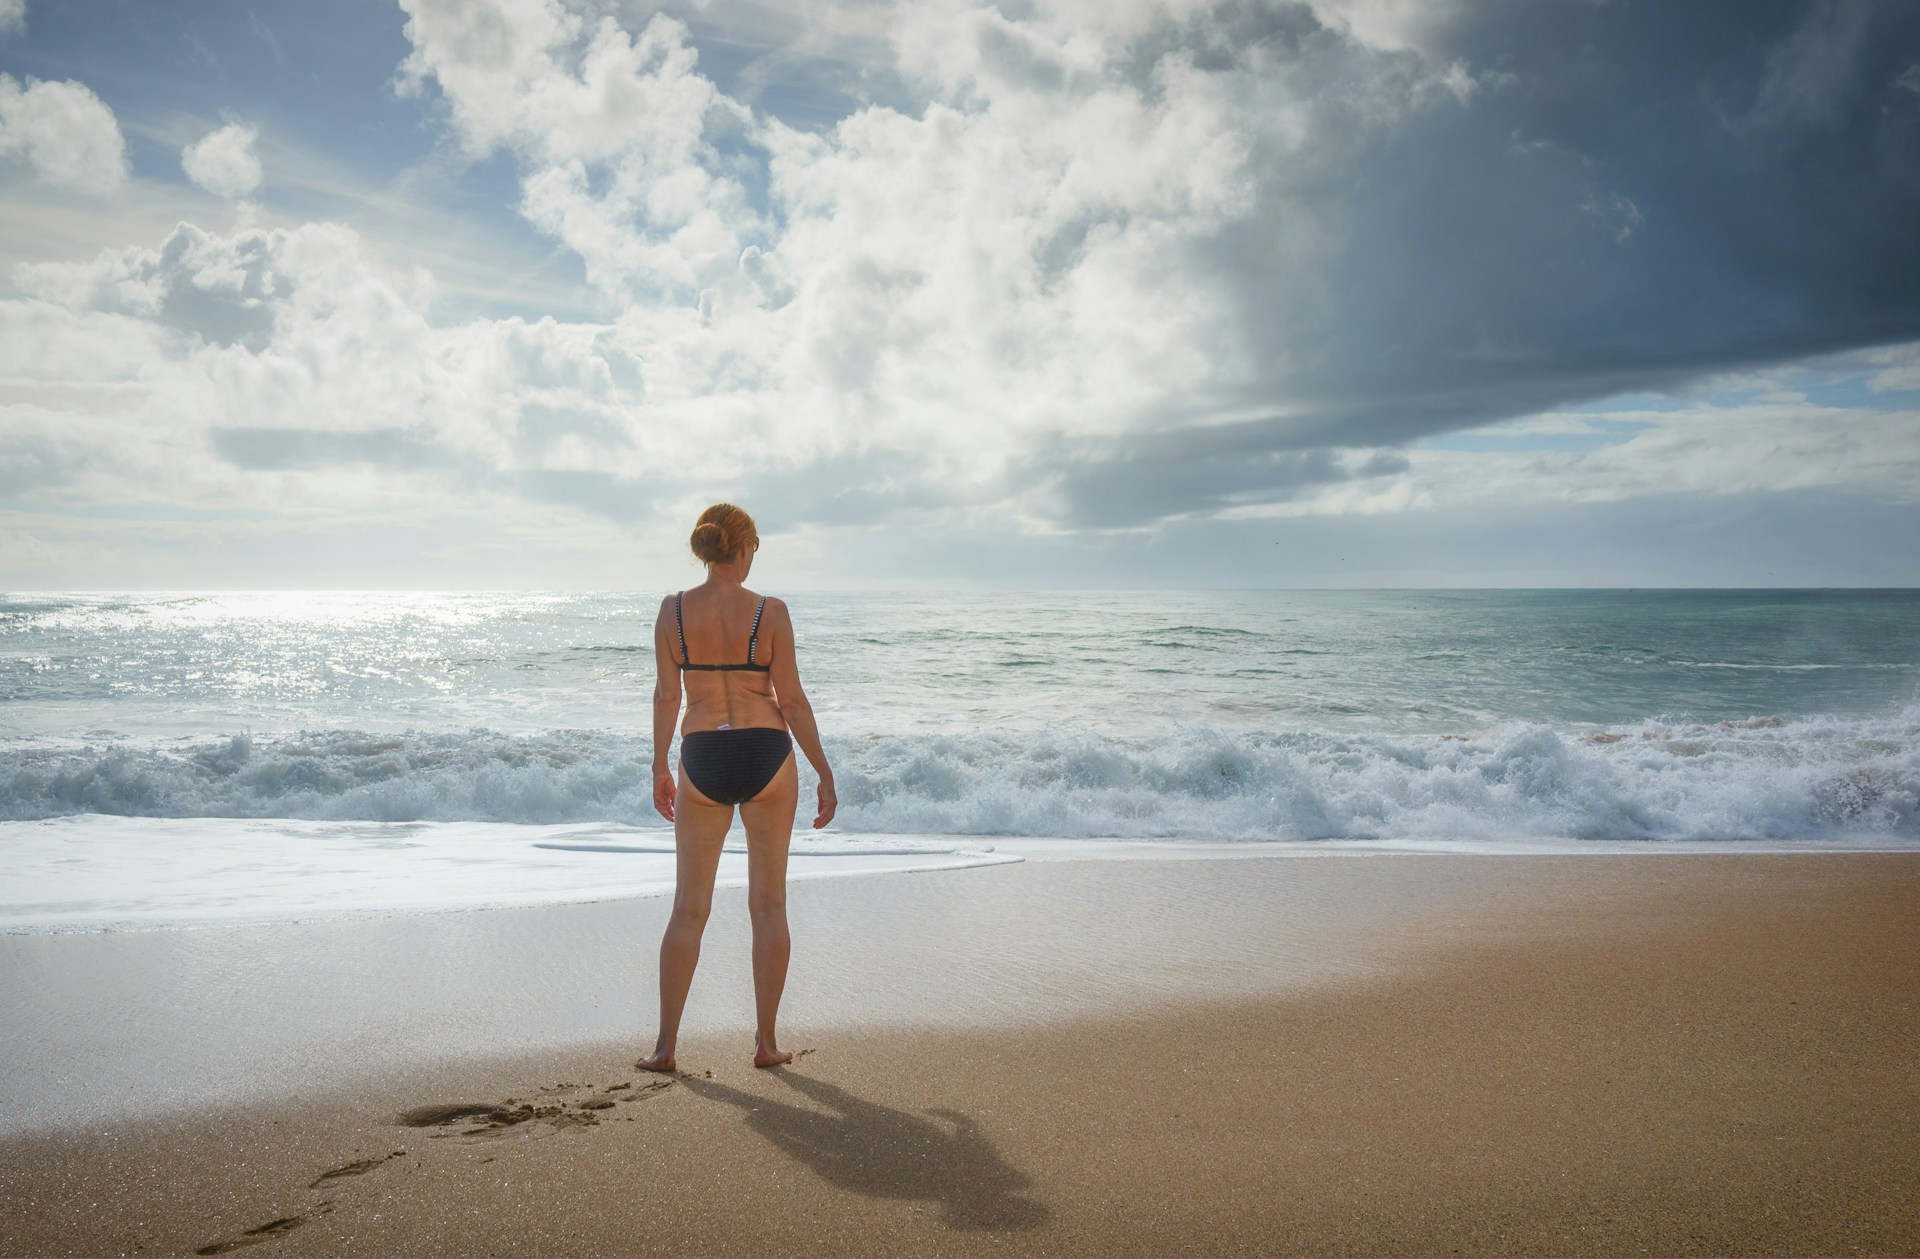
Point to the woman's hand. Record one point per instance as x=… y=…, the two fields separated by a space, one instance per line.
x=663 y=793
x=828 y=803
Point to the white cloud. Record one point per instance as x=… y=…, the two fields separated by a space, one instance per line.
x=294 y=332
x=618 y=131
x=64 y=132
x=223 y=162
x=13 y=16
x=1897 y=367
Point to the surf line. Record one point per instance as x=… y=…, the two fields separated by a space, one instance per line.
x=980 y=850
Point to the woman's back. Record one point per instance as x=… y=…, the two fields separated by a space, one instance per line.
x=725 y=646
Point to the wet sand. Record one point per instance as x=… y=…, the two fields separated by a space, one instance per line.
x=1675 y=1054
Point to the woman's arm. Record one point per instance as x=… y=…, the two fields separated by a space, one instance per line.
x=666 y=707
x=797 y=711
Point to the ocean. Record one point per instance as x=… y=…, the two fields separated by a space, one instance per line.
x=187 y=759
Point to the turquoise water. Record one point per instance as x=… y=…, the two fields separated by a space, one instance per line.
x=1229 y=714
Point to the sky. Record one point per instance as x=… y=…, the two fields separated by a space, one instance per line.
x=499 y=294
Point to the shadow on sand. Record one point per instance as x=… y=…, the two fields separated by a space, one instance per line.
x=885 y=1153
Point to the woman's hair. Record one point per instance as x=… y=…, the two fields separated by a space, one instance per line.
x=722 y=531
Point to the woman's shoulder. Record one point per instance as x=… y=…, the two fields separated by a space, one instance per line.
x=775 y=609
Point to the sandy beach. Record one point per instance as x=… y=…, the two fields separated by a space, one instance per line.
x=1405 y=1054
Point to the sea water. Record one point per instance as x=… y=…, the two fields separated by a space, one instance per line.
x=354 y=752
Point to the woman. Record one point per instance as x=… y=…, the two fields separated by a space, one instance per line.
x=732 y=651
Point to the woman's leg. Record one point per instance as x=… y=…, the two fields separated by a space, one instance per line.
x=699 y=832
x=768 y=818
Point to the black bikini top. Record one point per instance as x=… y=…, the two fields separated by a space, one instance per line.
x=753 y=640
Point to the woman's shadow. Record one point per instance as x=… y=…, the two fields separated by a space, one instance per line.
x=886 y=1153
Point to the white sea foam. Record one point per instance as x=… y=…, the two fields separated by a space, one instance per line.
x=1806 y=780
x=1810 y=779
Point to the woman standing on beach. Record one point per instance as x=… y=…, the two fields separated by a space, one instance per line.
x=732 y=650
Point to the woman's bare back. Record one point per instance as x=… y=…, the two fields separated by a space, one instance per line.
x=717 y=627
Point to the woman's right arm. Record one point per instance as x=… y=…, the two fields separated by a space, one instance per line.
x=666 y=707
x=797 y=711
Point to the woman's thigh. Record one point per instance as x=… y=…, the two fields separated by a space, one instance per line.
x=699 y=833
x=768 y=819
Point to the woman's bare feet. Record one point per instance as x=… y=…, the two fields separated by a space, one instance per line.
x=656 y=1061
x=765 y=1055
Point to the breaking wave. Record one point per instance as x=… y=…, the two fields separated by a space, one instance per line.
x=1759 y=779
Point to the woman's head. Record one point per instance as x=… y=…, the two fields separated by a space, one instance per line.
x=723 y=534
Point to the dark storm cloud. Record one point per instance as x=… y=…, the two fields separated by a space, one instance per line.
x=1631 y=197
x=1634 y=195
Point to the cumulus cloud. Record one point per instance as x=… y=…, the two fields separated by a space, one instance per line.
x=13 y=16
x=624 y=140
x=223 y=162
x=63 y=132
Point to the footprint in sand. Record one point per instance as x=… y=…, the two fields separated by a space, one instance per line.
x=487 y=1119
x=438 y=1116
x=491 y=1119
x=264 y=1232
x=359 y=1167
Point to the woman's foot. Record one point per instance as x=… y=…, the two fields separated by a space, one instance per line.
x=656 y=1061
x=765 y=1055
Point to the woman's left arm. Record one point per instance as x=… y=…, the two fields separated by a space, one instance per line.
x=666 y=708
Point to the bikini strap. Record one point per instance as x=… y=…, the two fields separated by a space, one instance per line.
x=753 y=638
x=681 y=629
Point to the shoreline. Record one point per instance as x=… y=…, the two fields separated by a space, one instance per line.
x=1709 y=1054
x=142 y=874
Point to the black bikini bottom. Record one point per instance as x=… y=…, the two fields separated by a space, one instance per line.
x=734 y=766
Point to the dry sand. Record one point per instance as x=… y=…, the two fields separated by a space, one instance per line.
x=1587 y=1055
